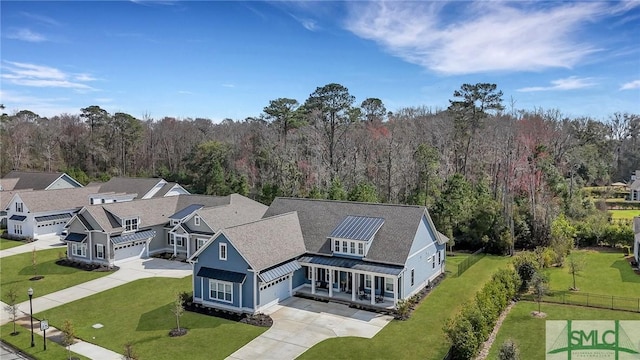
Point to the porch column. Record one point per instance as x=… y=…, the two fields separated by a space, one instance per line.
x=256 y=288
x=202 y=289
x=175 y=248
x=330 y=282
x=148 y=243
x=313 y=280
x=395 y=291
x=188 y=246
x=353 y=285
x=373 y=289
x=291 y=285
x=240 y=295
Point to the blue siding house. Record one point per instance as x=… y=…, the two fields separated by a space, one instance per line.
x=373 y=254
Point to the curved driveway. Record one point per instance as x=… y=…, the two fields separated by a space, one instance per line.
x=298 y=324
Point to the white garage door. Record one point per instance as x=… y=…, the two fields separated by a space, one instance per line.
x=129 y=250
x=275 y=291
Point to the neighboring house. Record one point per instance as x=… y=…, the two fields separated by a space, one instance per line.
x=192 y=227
x=373 y=254
x=634 y=188
x=127 y=189
x=27 y=180
x=21 y=181
x=106 y=233
x=636 y=240
x=31 y=214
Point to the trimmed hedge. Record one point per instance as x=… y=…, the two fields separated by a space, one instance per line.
x=472 y=326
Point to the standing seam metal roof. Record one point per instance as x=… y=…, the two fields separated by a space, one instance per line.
x=357 y=227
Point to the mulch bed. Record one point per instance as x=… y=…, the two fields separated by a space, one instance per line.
x=177 y=332
x=86 y=266
x=631 y=261
x=261 y=320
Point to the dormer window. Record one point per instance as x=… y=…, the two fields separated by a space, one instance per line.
x=131 y=224
x=354 y=234
x=19 y=207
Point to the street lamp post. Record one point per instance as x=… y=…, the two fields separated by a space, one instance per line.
x=30 y=293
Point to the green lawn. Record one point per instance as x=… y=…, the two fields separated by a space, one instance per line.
x=420 y=337
x=22 y=341
x=624 y=214
x=606 y=273
x=452 y=262
x=16 y=271
x=139 y=312
x=8 y=244
x=529 y=332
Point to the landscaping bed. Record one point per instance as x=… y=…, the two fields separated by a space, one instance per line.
x=256 y=320
x=85 y=266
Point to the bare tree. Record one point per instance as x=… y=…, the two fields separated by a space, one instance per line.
x=12 y=307
x=68 y=336
x=576 y=265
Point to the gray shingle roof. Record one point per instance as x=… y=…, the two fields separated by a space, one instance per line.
x=61 y=199
x=139 y=186
x=268 y=242
x=32 y=180
x=240 y=210
x=318 y=218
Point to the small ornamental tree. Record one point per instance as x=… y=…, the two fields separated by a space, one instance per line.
x=509 y=351
x=12 y=307
x=177 y=308
x=34 y=262
x=576 y=266
x=539 y=284
x=68 y=336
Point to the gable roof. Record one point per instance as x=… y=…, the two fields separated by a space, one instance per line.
x=266 y=242
x=35 y=180
x=154 y=211
x=8 y=184
x=318 y=218
x=139 y=186
x=59 y=199
x=240 y=210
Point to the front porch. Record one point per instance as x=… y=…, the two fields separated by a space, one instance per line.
x=346 y=298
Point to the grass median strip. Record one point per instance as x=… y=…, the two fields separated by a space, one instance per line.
x=22 y=341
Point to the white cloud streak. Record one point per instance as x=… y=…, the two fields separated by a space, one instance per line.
x=26 y=35
x=635 y=84
x=570 y=83
x=484 y=36
x=33 y=75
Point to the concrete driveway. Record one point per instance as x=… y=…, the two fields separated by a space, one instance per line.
x=298 y=324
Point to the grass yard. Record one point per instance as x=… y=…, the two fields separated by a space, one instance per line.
x=22 y=341
x=420 y=337
x=139 y=312
x=17 y=270
x=8 y=244
x=451 y=264
x=529 y=332
x=624 y=214
x=606 y=273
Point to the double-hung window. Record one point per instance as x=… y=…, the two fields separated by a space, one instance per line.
x=345 y=246
x=19 y=207
x=353 y=248
x=200 y=242
x=79 y=249
x=360 y=248
x=367 y=281
x=196 y=220
x=17 y=229
x=99 y=251
x=336 y=246
x=220 y=290
x=131 y=224
x=388 y=284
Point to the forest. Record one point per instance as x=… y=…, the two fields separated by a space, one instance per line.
x=491 y=175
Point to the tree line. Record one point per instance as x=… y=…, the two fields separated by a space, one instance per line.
x=491 y=174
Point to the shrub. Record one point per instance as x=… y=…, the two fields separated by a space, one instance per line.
x=509 y=351
x=464 y=342
x=526 y=266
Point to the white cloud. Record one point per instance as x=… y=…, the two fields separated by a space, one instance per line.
x=47 y=107
x=26 y=35
x=33 y=75
x=41 y=18
x=185 y=92
x=483 y=36
x=307 y=23
x=570 y=83
x=635 y=84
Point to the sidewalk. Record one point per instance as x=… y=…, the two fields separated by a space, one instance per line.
x=44 y=243
x=83 y=348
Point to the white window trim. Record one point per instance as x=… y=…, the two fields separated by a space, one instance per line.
x=213 y=282
x=220 y=247
x=17 y=229
x=99 y=249
x=200 y=242
x=79 y=246
x=367 y=279
x=413 y=277
x=19 y=207
x=336 y=246
x=131 y=226
x=390 y=281
x=196 y=220
x=360 y=248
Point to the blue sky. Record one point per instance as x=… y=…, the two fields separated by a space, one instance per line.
x=228 y=59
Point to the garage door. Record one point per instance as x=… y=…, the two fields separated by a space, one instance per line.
x=276 y=290
x=130 y=250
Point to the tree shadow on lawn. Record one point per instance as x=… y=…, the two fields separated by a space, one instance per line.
x=162 y=318
x=626 y=273
x=48 y=268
